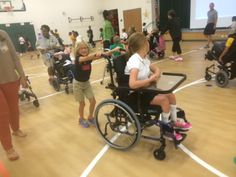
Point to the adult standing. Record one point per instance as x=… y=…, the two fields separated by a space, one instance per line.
x=210 y=28
x=108 y=30
x=46 y=45
x=11 y=75
x=90 y=36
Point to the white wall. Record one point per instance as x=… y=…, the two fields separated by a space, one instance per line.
x=121 y=5
x=51 y=12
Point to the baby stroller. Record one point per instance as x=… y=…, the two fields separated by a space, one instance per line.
x=225 y=71
x=26 y=94
x=157 y=46
x=122 y=120
x=63 y=71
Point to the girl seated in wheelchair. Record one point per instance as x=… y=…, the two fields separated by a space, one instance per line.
x=142 y=74
x=81 y=84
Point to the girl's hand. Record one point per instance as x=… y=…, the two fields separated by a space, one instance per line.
x=23 y=82
x=98 y=55
x=153 y=78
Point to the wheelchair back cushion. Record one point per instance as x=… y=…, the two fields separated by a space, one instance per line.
x=119 y=68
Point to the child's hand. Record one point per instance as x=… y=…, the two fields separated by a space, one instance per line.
x=153 y=78
x=98 y=54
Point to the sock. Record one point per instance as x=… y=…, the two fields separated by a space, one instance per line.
x=173 y=112
x=165 y=117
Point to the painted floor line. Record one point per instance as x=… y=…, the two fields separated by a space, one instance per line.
x=201 y=162
x=187 y=151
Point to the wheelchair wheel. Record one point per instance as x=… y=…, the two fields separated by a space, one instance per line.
x=222 y=78
x=36 y=103
x=208 y=77
x=159 y=154
x=117 y=124
x=56 y=84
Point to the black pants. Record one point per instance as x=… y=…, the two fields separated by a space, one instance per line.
x=176 y=46
x=106 y=44
x=91 y=41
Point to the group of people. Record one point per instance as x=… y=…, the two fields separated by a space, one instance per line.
x=141 y=72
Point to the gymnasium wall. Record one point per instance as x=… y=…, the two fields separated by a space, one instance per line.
x=146 y=6
x=55 y=13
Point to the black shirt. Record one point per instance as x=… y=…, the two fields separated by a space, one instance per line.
x=174 y=28
x=82 y=70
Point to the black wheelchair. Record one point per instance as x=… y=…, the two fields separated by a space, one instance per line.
x=63 y=72
x=223 y=71
x=121 y=121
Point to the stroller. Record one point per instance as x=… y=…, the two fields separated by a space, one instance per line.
x=63 y=71
x=157 y=46
x=26 y=94
x=226 y=71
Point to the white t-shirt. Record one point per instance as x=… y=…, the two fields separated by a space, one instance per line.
x=45 y=43
x=143 y=65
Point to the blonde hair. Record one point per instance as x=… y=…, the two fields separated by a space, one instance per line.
x=78 y=46
x=136 y=42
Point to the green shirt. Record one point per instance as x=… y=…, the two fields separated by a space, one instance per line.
x=108 y=31
x=116 y=54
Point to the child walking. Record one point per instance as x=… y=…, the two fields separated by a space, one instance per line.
x=81 y=85
x=174 y=29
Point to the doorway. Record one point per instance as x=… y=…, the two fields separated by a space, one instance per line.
x=133 y=17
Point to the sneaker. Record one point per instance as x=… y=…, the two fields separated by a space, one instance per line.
x=12 y=154
x=91 y=121
x=182 y=125
x=170 y=136
x=179 y=59
x=172 y=57
x=84 y=123
x=19 y=133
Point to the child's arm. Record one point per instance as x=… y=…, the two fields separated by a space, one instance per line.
x=90 y=57
x=155 y=70
x=109 y=53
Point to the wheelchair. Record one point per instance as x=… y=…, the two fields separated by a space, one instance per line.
x=121 y=121
x=63 y=72
x=225 y=71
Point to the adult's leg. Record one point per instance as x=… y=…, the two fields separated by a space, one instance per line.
x=10 y=91
x=5 y=133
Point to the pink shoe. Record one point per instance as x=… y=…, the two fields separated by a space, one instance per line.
x=170 y=136
x=172 y=57
x=182 y=125
x=179 y=59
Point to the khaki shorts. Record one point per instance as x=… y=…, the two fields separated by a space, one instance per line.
x=82 y=89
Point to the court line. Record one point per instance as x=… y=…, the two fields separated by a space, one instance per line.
x=182 y=147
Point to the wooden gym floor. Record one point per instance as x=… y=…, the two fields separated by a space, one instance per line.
x=56 y=146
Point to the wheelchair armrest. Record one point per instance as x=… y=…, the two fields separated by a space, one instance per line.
x=157 y=90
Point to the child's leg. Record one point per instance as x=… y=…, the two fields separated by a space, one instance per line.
x=162 y=101
x=178 y=48
x=92 y=102
x=81 y=109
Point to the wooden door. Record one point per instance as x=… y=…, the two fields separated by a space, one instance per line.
x=133 y=17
